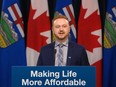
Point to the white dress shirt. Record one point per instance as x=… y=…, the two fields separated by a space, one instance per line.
x=65 y=51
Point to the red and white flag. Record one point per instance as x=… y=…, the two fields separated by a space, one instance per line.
x=16 y=15
x=39 y=33
x=90 y=35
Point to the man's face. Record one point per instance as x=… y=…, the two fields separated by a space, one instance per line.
x=61 y=29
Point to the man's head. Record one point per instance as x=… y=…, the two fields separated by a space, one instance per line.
x=61 y=27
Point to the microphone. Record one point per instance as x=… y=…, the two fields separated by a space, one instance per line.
x=55 y=51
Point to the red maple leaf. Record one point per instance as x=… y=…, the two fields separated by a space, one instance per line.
x=35 y=27
x=86 y=27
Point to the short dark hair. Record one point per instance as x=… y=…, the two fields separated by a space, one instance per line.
x=59 y=16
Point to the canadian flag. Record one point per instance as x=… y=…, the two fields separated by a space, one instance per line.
x=90 y=35
x=39 y=33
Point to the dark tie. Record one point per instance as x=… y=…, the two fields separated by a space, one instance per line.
x=60 y=55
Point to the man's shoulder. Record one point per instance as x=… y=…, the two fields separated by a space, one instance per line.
x=76 y=45
x=50 y=45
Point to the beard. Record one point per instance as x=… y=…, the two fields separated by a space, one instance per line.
x=61 y=36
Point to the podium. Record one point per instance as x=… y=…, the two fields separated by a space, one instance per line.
x=52 y=76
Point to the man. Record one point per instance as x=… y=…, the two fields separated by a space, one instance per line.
x=62 y=52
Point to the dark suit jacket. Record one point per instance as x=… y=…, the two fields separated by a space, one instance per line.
x=76 y=55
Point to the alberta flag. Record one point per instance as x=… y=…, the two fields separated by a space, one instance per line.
x=65 y=7
x=12 y=45
x=109 y=57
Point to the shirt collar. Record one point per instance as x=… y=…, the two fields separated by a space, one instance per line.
x=64 y=43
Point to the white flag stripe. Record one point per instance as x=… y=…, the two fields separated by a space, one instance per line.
x=94 y=56
x=71 y=8
x=32 y=56
x=20 y=30
x=12 y=13
x=18 y=10
x=66 y=13
x=73 y=30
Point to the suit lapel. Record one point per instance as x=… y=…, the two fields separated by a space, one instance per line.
x=52 y=54
x=69 y=56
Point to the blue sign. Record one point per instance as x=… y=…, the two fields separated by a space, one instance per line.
x=45 y=76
